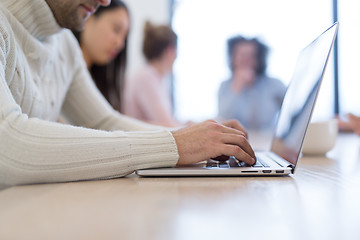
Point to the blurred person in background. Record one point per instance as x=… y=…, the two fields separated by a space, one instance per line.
x=249 y=96
x=103 y=42
x=147 y=94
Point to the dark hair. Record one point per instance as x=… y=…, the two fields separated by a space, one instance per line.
x=157 y=39
x=110 y=78
x=262 y=52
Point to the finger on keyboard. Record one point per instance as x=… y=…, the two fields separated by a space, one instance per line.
x=221 y=158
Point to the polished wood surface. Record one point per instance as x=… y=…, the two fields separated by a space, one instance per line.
x=320 y=201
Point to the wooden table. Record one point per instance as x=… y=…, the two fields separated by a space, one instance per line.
x=320 y=201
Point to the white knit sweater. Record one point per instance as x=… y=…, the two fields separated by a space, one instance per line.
x=42 y=74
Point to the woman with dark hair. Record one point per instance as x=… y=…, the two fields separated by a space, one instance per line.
x=250 y=96
x=147 y=96
x=104 y=43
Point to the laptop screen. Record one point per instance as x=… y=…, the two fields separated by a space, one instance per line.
x=300 y=96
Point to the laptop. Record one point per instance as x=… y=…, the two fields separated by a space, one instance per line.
x=294 y=117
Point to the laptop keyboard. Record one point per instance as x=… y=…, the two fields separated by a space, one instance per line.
x=233 y=162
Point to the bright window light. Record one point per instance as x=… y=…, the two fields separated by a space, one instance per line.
x=349 y=53
x=203 y=27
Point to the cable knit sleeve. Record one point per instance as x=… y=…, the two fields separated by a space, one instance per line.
x=38 y=151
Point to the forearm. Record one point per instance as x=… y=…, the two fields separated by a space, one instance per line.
x=35 y=151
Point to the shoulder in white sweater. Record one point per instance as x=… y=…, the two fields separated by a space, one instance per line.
x=42 y=73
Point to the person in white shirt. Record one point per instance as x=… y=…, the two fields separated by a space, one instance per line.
x=43 y=74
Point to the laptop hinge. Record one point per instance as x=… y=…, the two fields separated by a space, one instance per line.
x=282 y=162
x=292 y=168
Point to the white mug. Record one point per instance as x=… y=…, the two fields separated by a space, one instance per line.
x=320 y=137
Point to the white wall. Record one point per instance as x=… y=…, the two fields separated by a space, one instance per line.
x=158 y=12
